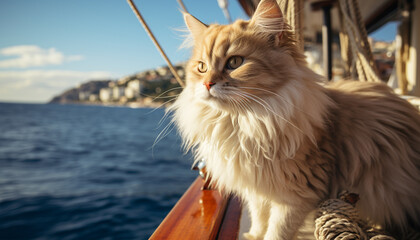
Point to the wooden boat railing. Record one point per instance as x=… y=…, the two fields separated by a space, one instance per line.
x=201 y=214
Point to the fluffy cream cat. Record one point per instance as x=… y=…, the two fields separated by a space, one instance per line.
x=272 y=134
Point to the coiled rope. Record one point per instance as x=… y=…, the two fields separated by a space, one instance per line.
x=339 y=219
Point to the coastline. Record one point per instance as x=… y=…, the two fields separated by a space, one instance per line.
x=117 y=104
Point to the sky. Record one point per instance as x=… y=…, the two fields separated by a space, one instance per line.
x=48 y=46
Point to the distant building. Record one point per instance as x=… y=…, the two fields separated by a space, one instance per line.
x=133 y=89
x=123 y=80
x=163 y=71
x=141 y=75
x=84 y=96
x=117 y=92
x=181 y=72
x=93 y=97
x=105 y=94
x=384 y=55
x=151 y=75
x=123 y=99
x=112 y=84
x=147 y=100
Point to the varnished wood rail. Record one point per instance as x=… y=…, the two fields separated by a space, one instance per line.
x=229 y=228
x=201 y=214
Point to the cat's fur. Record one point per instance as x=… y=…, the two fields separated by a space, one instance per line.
x=273 y=135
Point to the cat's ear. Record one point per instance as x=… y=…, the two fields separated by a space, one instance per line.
x=194 y=25
x=268 y=17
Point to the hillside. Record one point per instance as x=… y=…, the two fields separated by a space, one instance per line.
x=140 y=89
x=72 y=95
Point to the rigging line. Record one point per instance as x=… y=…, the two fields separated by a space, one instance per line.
x=181 y=3
x=149 y=32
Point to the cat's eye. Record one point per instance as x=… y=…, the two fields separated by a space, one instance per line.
x=202 y=67
x=234 y=62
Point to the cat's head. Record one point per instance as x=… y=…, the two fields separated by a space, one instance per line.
x=244 y=61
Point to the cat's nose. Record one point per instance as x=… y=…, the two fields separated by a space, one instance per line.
x=208 y=85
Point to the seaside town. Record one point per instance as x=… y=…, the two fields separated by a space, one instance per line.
x=150 y=88
x=156 y=87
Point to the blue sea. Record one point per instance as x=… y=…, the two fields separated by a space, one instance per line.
x=87 y=172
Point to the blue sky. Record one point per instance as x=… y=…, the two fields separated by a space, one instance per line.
x=48 y=46
x=386 y=33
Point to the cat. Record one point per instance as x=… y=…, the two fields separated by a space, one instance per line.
x=274 y=135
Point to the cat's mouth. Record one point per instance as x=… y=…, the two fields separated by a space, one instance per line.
x=213 y=93
x=226 y=95
x=218 y=91
x=222 y=95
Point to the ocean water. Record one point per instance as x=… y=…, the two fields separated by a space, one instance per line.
x=86 y=172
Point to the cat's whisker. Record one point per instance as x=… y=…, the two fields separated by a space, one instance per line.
x=277 y=95
x=248 y=99
x=278 y=115
x=159 y=96
x=233 y=101
x=244 y=105
x=165 y=132
x=239 y=104
x=264 y=90
x=165 y=97
x=242 y=101
x=165 y=116
x=167 y=91
x=161 y=105
x=235 y=90
x=163 y=119
x=267 y=107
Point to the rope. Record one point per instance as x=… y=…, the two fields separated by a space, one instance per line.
x=362 y=29
x=149 y=32
x=298 y=7
x=403 y=53
x=181 y=3
x=354 y=42
x=292 y=10
x=339 y=219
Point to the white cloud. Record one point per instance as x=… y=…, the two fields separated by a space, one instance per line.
x=33 y=56
x=42 y=85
